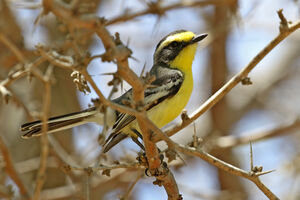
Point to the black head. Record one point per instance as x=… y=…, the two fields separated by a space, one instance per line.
x=172 y=44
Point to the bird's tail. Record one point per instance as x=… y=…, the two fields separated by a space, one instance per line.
x=58 y=123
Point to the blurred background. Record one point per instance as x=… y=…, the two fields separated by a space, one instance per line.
x=265 y=112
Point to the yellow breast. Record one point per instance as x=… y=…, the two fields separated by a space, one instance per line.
x=169 y=109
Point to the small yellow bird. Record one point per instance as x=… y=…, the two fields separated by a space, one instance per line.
x=171 y=90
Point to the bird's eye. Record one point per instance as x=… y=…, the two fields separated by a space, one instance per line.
x=174 y=44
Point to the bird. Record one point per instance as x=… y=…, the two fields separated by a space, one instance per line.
x=164 y=100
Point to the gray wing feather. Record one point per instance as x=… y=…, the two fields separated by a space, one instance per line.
x=166 y=85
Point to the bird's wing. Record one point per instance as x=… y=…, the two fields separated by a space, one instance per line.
x=164 y=87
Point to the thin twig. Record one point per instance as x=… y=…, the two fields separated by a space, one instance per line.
x=231 y=141
x=4 y=84
x=44 y=141
x=18 y=102
x=157 y=9
x=10 y=169
x=87 y=187
x=127 y=194
x=112 y=91
x=251 y=157
x=134 y=165
x=12 y=47
x=103 y=100
x=61 y=152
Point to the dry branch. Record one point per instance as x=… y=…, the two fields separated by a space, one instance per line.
x=155 y=8
x=231 y=141
x=10 y=169
x=116 y=51
x=41 y=177
x=215 y=98
x=252 y=176
x=119 y=53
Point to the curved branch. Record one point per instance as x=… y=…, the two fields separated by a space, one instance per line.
x=10 y=168
x=232 y=141
x=254 y=177
x=156 y=9
x=215 y=98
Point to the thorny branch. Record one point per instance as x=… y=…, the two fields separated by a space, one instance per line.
x=252 y=176
x=221 y=93
x=236 y=79
x=125 y=72
x=117 y=52
x=165 y=176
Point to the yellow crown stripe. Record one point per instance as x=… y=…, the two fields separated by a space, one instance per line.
x=179 y=37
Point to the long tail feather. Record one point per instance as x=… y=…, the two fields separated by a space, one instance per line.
x=58 y=123
x=111 y=141
x=116 y=137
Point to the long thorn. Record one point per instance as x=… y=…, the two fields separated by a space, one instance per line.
x=251 y=157
x=264 y=173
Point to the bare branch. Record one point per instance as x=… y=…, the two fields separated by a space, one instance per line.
x=12 y=47
x=157 y=9
x=10 y=169
x=231 y=141
x=215 y=98
x=127 y=194
x=251 y=157
x=41 y=177
x=252 y=176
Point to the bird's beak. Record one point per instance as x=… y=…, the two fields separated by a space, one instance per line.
x=198 y=38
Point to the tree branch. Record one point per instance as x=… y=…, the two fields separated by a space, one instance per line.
x=215 y=98
x=116 y=51
x=41 y=176
x=252 y=176
x=10 y=169
x=157 y=9
x=231 y=141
